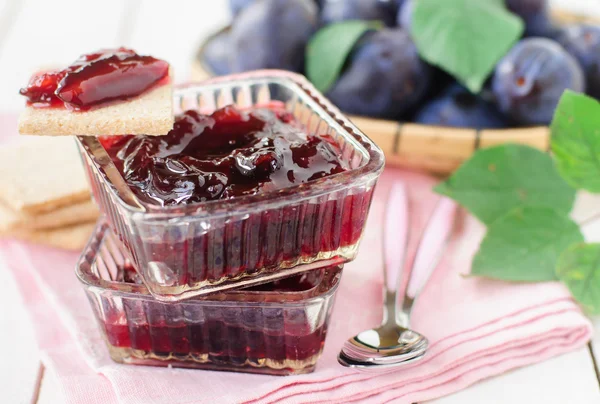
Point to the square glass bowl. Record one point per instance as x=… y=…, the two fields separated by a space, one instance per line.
x=277 y=328
x=199 y=248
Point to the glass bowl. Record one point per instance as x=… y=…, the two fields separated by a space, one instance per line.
x=200 y=248
x=277 y=328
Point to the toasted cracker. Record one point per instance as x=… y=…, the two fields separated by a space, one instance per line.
x=69 y=238
x=41 y=175
x=148 y=114
x=66 y=216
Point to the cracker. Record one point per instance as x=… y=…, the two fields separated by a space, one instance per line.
x=148 y=114
x=41 y=175
x=68 y=215
x=69 y=238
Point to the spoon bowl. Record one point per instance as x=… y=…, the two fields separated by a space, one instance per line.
x=377 y=366
x=385 y=341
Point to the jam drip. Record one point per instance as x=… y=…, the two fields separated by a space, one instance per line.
x=225 y=155
x=96 y=78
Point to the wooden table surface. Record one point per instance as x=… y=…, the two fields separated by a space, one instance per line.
x=56 y=31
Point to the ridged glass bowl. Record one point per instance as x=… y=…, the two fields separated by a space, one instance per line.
x=276 y=328
x=194 y=249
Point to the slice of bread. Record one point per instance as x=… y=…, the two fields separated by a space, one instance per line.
x=66 y=216
x=148 y=114
x=42 y=174
x=68 y=238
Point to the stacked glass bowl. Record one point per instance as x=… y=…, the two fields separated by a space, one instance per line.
x=243 y=284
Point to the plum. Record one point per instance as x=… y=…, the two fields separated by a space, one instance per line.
x=458 y=107
x=341 y=10
x=536 y=16
x=530 y=79
x=404 y=16
x=384 y=76
x=238 y=5
x=582 y=41
x=272 y=34
x=217 y=54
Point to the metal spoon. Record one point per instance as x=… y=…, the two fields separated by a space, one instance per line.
x=394 y=343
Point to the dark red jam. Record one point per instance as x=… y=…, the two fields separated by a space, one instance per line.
x=220 y=342
x=225 y=155
x=242 y=334
x=297 y=283
x=96 y=78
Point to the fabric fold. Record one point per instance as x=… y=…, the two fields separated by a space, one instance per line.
x=478 y=328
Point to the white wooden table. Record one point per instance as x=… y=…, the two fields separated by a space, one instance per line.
x=56 y=31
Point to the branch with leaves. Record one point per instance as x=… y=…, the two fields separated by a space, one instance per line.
x=524 y=197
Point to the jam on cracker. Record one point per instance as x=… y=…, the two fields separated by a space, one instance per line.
x=96 y=78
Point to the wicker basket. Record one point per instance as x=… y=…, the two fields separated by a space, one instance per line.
x=435 y=149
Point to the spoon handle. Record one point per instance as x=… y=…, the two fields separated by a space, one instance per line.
x=429 y=252
x=395 y=239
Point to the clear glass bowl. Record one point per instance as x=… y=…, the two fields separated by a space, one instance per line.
x=189 y=250
x=276 y=328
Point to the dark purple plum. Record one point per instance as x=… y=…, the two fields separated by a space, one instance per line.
x=342 y=10
x=404 y=16
x=217 y=54
x=238 y=5
x=384 y=76
x=530 y=79
x=458 y=107
x=535 y=14
x=583 y=43
x=272 y=34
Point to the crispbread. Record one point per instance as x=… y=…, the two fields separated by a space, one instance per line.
x=69 y=238
x=66 y=216
x=41 y=175
x=148 y=114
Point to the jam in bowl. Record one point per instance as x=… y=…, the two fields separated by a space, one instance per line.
x=226 y=154
x=260 y=178
x=276 y=328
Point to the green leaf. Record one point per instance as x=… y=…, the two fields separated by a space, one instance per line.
x=579 y=268
x=466 y=38
x=576 y=140
x=498 y=179
x=329 y=48
x=525 y=245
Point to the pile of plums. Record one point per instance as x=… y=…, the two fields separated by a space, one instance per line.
x=384 y=76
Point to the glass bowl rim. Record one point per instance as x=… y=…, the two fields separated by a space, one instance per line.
x=326 y=285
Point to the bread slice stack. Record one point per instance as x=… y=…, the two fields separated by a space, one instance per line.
x=44 y=194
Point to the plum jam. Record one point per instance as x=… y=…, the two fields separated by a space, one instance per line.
x=276 y=328
x=96 y=78
x=225 y=155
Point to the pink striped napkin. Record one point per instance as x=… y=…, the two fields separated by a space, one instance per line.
x=477 y=328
